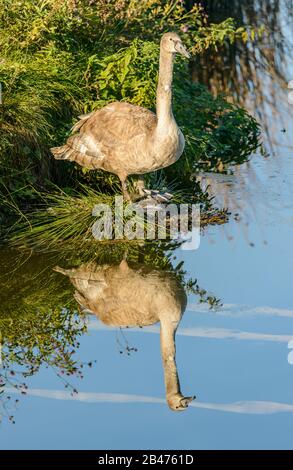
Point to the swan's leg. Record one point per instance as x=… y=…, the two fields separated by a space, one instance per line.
x=125 y=192
x=140 y=186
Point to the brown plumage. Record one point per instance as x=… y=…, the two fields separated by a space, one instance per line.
x=125 y=139
x=123 y=296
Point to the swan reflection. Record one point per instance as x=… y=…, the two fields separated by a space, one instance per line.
x=124 y=296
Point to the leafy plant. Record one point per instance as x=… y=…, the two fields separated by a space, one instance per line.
x=62 y=59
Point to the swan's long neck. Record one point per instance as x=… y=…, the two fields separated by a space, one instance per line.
x=164 y=89
x=168 y=351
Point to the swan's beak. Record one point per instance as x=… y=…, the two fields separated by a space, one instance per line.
x=181 y=49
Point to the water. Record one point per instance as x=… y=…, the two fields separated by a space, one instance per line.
x=234 y=358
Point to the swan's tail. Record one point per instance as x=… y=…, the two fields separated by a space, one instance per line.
x=65 y=272
x=73 y=151
x=61 y=153
x=68 y=152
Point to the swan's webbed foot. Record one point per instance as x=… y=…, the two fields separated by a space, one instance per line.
x=152 y=199
x=158 y=196
x=145 y=195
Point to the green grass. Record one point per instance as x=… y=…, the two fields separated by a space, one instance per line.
x=67 y=219
x=62 y=59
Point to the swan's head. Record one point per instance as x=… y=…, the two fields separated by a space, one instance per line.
x=172 y=43
x=178 y=402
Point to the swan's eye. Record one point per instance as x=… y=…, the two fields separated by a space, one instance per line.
x=171 y=39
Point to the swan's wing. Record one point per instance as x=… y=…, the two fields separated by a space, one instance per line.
x=107 y=130
x=126 y=316
x=117 y=124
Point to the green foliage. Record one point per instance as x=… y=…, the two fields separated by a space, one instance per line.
x=38 y=323
x=67 y=220
x=76 y=25
x=128 y=75
x=62 y=59
x=38 y=99
x=218 y=134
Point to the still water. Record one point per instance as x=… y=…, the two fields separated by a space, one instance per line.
x=92 y=385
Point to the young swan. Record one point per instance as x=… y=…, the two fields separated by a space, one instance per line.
x=121 y=296
x=130 y=140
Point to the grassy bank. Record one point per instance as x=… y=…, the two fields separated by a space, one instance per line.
x=62 y=59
